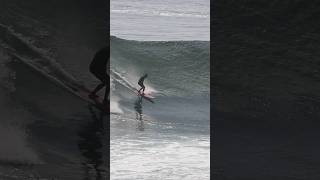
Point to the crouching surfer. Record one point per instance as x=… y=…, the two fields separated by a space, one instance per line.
x=140 y=83
x=98 y=67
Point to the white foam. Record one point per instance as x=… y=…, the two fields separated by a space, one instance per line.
x=114 y=100
x=114 y=106
x=162 y=159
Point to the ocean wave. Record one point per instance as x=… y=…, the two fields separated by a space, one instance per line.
x=176 y=68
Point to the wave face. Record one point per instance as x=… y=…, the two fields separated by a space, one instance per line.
x=175 y=125
x=46 y=132
x=176 y=69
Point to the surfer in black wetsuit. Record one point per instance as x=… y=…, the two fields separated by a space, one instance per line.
x=141 y=83
x=98 y=67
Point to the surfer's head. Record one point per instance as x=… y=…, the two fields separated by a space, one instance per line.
x=145 y=75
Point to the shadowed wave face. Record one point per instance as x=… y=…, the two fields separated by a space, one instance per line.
x=48 y=132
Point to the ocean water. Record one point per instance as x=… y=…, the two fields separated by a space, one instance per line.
x=168 y=139
x=154 y=20
x=46 y=131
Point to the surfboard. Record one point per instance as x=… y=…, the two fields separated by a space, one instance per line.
x=145 y=96
x=74 y=88
x=97 y=102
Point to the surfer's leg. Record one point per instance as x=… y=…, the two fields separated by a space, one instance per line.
x=143 y=88
x=102 y=78
x=93 y=94
x=140 y=88
x=105 y=99
x=107 y=91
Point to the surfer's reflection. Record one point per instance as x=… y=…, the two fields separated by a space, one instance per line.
x=138 y=108
x=93 y=145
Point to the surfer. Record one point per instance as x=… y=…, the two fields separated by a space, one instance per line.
x=98 y=67
x=141 y=83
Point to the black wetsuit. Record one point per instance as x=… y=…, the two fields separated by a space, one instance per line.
x=98 y=67
x=141 y=83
